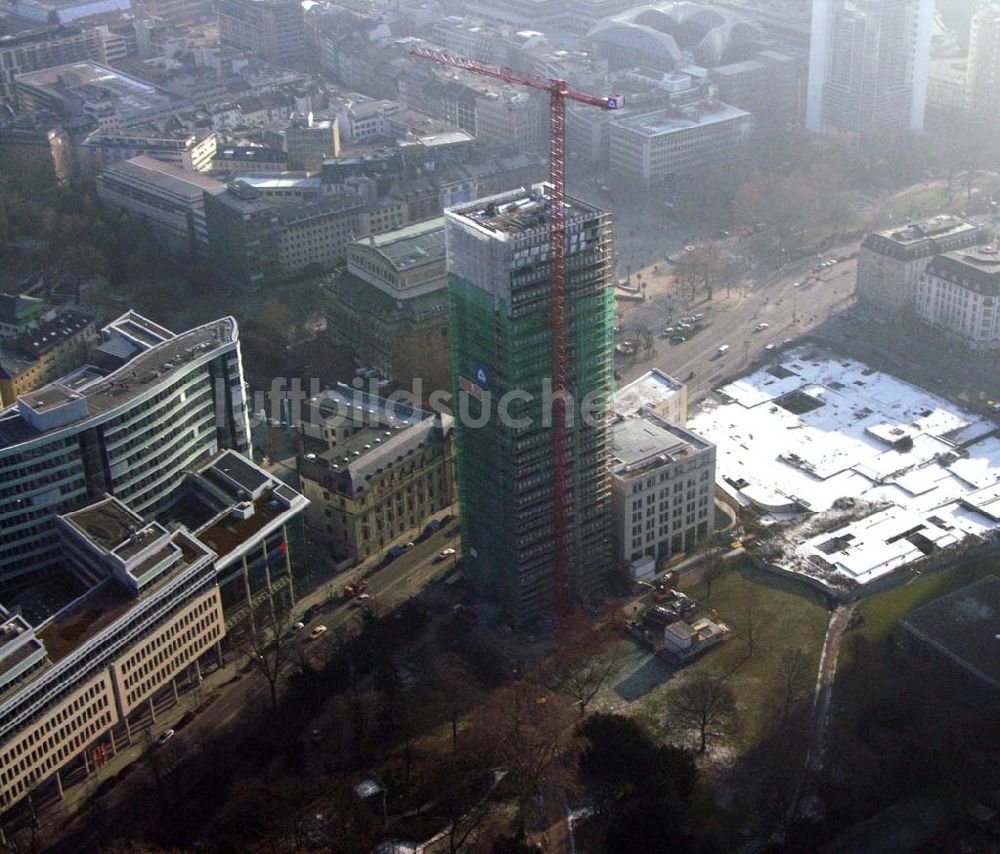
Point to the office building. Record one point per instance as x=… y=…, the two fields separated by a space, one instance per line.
x=90 y=91
x=170 y=200
x=309 y=140
x=44 y=353
x=66 y=11
x=140 y=602
x=74 y=678
x=391 y=305
x=273 y=30
x=379 y=471
x=256 y=239
x=173 y=401
x=890 y=261
x=249 y=159
x=982 y=76
x=655 y=391
x=191 y=150
x=959 y=292
x=766 y=86
x=662 y=486
x=501 y=336
x=41 y=47
x=252 y=522
x=652 y=148
x=868 y=66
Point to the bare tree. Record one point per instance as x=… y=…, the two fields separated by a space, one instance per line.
x=576 y=670
x=264 y=640
x=531 y=736
x=703 y=265
x=751 y=624
x=793 y=681
x=713 y=565
x=706 y=705
x=455 y=688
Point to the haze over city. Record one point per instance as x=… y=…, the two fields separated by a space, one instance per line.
x=506 y=426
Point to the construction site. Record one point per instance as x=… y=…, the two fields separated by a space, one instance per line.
x=502 y=341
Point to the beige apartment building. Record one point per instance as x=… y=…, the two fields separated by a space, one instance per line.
x=892 y=261
x=662 y=487
x=959 y=292
x=385 y=470
x=43 y=354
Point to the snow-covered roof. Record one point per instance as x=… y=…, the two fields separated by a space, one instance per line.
x=899 y=469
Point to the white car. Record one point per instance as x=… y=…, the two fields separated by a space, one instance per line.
x=317 y=632
x=362 y=597
x=760 y=327
x=165 y=736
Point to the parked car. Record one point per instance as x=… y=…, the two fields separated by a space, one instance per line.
x=317 y=632
x=165 y=736
x=677 y=339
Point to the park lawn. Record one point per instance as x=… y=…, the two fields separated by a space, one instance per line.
x=791 y=615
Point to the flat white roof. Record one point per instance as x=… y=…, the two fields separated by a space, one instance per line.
x=853 y=453
x=653 y=388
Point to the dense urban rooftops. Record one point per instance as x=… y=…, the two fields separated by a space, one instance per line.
x=133 y=99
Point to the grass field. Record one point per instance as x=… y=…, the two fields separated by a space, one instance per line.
x=786 y=616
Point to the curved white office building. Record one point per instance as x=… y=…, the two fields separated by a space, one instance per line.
x=173 y=401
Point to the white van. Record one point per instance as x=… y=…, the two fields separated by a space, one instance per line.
x=722 y=350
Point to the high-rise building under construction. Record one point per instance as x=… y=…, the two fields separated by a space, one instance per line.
x=501 y=330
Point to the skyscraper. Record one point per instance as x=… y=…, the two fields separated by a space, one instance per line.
x=868 y=65
x=982 y=76
x=500 y=328
x=173 y=401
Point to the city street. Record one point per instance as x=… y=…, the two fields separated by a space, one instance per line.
x=792 y=303
x=240 y=690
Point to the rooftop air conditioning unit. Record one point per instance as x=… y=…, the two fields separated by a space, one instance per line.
x=243 y=510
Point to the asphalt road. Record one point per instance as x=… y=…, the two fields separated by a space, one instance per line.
x=792 y=303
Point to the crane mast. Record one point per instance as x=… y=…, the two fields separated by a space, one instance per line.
x=559 y=92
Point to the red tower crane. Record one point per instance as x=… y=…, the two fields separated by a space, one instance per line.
x=559 y=91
